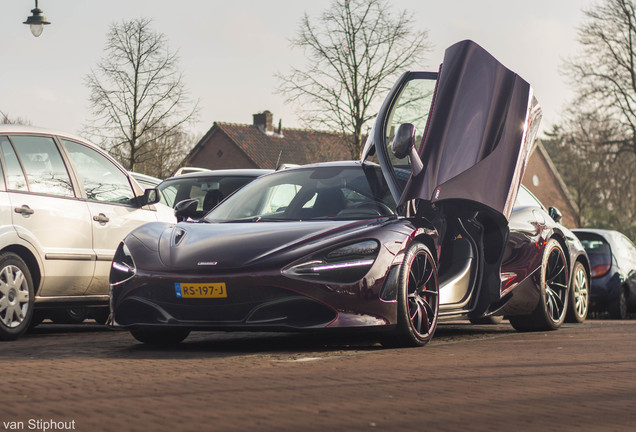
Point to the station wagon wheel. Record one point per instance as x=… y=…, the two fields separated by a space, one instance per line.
x=418 y=299
x=550 y=312
x=16 y=296
x=72 y=315
x=617 y=308
x=160 y=336
x=579 y=295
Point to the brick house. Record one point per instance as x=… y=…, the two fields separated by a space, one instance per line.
x=543 y=180
x=261 y=145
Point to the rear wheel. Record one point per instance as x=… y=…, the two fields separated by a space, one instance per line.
x=550 y=312
x=16 y=296
x=161 y=336
x=617 y=308
x=418 y=299
x=579 y=295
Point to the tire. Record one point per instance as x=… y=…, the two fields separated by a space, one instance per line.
x=16 y=296
x=162 y=336
x=491 y=320
x=418 y=300
x=579 y=295
x=100 y=315
x=617 y=308
x=73 y=315
x=550 y=312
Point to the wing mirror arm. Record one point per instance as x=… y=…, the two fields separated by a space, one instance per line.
x=404 y=144
x=186 y=209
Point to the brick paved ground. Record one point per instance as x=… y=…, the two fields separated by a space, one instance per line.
x=479 y=378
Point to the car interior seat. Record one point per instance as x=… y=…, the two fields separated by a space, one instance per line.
x=329 y=202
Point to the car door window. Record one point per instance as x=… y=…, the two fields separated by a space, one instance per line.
x=102 y=180
x=41 y=161
x=15 y=175
x=412 y=106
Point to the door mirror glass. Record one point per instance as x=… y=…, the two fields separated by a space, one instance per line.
x=404 y=144
x=186 y=209
x=403 y=140
x=150 y=196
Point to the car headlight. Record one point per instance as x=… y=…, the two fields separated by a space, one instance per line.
x=345 y=264
x=123 y=266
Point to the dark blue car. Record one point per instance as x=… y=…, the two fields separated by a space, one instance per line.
x=613 y=259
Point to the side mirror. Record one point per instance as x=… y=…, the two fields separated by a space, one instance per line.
x=555 y=214
x=150 y=196
x=186 y=209
x=404 y=145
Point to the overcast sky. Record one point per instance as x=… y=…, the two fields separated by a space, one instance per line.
x=230 y=50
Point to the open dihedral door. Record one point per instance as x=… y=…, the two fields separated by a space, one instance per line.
x=470 y=131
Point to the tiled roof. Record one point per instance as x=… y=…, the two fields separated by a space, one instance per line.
x=297 y=146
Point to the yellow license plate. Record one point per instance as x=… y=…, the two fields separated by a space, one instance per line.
x=200 y=290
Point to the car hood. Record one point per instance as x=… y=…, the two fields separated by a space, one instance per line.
x=215 y=246
x=481 y=127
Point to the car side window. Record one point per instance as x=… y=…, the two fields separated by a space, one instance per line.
x=42 y=162
x=102 y=180
x=15 y=176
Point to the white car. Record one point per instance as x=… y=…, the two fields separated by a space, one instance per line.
x=65 y=205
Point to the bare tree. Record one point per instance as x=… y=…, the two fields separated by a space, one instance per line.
x=596 y=140
x=605 y=72
x=165 y=152
x=138 y=98
x=603 y=184
x=5 y=119
x=354 y=51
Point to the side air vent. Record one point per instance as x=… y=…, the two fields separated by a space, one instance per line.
x=177 y=235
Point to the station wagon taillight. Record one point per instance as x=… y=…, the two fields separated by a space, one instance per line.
x=600 y=270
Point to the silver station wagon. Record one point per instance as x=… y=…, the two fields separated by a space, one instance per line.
x=65 y=205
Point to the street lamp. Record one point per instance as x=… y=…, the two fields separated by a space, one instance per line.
x=37 y=21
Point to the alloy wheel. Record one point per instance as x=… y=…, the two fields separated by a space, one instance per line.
x=422 y=294
x=556 y=284
x=580 y=292
x=14 y=296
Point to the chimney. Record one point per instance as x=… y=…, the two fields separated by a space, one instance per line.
x=263 y=121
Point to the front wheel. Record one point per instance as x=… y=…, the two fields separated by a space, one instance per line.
x=160 y=336
x=579 y=295
x=418 y=299
x=550 y=312
x=16 y=296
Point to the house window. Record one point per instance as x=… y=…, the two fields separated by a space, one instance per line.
x=219 y=153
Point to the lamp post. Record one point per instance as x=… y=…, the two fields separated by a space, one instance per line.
x=37 y=21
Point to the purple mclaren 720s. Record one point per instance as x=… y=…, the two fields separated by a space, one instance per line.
x=430 y=224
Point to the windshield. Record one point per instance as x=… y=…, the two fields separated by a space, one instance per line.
x=312 y=193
